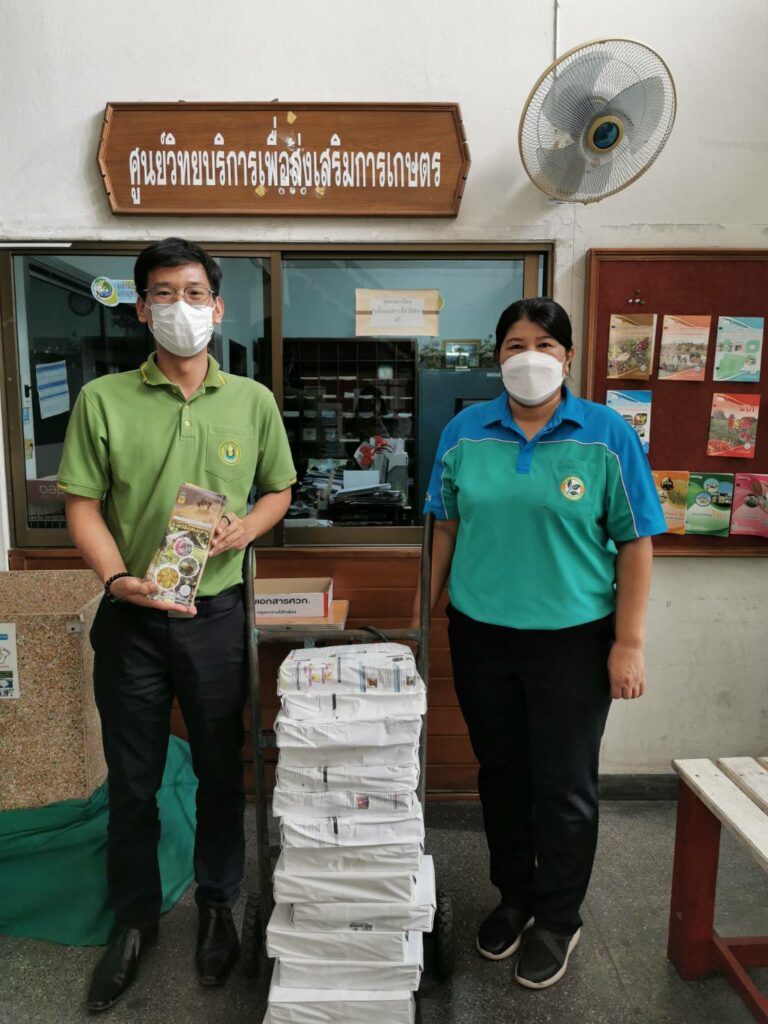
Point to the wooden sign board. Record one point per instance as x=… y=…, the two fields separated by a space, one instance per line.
x=283 y=159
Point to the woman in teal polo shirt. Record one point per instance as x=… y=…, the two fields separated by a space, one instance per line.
x=545 y=506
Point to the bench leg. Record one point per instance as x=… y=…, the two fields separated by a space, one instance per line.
x=694 y=879
x=735 y=954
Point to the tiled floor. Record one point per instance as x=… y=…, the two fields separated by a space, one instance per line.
x=618 y=975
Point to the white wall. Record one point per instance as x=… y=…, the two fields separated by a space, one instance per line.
x=61 y=62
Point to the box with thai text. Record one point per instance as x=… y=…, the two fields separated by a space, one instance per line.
x=288 y=598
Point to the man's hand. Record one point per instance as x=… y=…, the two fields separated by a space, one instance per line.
x=626 y=671
x=232 y=534
x=134 y=591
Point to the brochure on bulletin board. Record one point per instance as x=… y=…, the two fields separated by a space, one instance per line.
x=630 y=345
x=634 y=407
x=739 y=348
x=672 y=489
x=684 y=346
x=710 y=497
x=750 y=505
x=733 y=426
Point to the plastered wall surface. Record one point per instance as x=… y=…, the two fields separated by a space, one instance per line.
x=60 y=64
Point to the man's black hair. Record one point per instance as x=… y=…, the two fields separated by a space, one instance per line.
x=545 y=312
x=174 y=252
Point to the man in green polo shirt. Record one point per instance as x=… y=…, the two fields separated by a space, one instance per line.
x=132 y=439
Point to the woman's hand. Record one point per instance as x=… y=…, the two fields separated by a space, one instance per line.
x=135 y=591
x=626 y=671
x=232 y=534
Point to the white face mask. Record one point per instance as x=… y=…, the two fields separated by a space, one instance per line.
x=532 y=377
x=181 y=329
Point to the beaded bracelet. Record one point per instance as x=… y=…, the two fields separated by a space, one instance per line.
x=111 y=580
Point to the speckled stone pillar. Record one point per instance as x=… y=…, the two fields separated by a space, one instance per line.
x=50 y=737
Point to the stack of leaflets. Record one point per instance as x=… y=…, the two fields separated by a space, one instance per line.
x=353 y=889
x=178 y=565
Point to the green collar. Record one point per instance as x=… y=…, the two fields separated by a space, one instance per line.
x=152 y=374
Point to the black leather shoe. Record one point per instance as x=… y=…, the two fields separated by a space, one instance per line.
x=500 y=933
x=118 y=965
x=218 y=946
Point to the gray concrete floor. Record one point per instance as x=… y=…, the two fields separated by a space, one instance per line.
x=618 y=975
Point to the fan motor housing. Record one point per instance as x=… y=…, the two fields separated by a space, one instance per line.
x=605 y=133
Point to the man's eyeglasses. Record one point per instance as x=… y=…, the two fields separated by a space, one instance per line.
x=194 y=294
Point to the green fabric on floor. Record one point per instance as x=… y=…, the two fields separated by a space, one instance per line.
x=53 y=860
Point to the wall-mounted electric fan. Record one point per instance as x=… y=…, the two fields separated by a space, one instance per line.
x=596 y=120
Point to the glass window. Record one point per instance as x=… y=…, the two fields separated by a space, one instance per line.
x=364 y=414
x=66 y=338
x=243 y=344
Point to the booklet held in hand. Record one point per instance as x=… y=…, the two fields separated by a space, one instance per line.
x=178 y=564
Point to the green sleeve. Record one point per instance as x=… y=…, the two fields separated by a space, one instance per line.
x=84 y=468
x=275 y=470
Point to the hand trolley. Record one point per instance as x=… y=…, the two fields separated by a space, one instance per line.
x=439 y=944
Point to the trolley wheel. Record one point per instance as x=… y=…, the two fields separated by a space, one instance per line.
x=252 y=937
x=442 y=941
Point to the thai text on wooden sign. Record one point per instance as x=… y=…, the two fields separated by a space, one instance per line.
x=302 y=159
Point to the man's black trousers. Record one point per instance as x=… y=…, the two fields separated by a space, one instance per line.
x=143 y=658
x=535 y=703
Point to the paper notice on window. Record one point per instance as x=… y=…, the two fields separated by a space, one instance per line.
x=52 y=389
x=380 y=312
x=9 y=669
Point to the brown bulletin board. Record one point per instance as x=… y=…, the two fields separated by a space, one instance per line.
x=714 y=282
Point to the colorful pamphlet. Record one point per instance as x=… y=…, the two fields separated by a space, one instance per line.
x=710 y=496
x=630 y=345
x=178 y=565
x=672 y=488
x=684 y=346
x=733 y=426
x=739 y=348
x=750 y=505
x=634 y=407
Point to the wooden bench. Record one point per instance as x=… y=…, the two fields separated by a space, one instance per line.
x=733 y=792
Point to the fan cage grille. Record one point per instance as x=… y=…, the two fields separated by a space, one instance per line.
x=575 y=90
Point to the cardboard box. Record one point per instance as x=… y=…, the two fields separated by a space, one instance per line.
x=336 y=1006
x=375 y=830
x=354 y=707
x=283 y=940
x=319 y=757
x=418 y=915
x=387 y=976
x=287 y=598
x=303 y=859
x=322 y=778
x=388 y=885
x=334 y=623
x=317 y=735
x=356 y=668
x=352 y=803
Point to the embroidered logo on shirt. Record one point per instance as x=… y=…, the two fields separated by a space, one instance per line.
x=573 y=488
x=229 y=452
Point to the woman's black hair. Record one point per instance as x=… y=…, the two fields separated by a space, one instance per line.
x=545 y=312
x=174 y=252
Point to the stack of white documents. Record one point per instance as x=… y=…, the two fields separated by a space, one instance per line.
x=353 y=890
